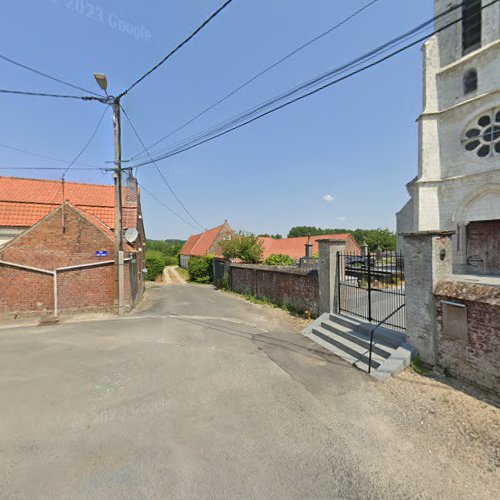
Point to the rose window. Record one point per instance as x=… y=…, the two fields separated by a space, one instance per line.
x=483 y=135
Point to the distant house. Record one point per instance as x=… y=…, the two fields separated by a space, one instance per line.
x=58 y=256
x=295 y=247
x=203 y=244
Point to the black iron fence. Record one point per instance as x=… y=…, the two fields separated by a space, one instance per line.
x=372 y=287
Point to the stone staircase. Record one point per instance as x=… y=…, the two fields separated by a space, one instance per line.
x=349 y=338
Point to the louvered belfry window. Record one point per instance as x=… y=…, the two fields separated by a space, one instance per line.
x=471 y=25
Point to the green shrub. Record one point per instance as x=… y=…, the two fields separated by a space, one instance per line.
x=200 y=269
x=279 y=259
x=246 y=247
x=170 y=260
x=154 y=264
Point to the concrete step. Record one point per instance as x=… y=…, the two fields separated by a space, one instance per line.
x=348 y=338
x=352 y=349
x=387 y=336
x=358 y=363
x=359 y=338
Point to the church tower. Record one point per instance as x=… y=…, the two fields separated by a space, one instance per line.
x=458 y=183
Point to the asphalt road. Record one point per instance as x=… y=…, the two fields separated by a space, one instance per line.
x=201 y=395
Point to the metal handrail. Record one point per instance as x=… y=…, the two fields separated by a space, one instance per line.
x=380 y=323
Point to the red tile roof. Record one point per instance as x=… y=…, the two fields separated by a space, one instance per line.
x=190 y=243
x=23 y=202
x=198 y=245
x=296 y=247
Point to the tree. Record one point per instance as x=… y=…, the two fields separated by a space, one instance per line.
x=273 y=236
x=244 y=246
x=166 y=247
x=373 y=237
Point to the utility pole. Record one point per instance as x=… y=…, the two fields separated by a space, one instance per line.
x=117 y=175
x=119 y=300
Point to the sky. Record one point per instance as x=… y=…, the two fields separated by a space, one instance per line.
x=340 y=158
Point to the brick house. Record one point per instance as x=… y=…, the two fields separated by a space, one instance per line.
x=203 y=244
x=59 y=258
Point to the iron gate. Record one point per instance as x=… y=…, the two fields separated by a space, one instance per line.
x=372 y=287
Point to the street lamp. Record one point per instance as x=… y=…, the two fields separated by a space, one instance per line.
x=102 y=81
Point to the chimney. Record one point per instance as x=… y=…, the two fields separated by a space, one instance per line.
x=309 y=250
x=131 y=199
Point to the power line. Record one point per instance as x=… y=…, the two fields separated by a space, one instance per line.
x=179 y=46
x=46 y=94
x=208 y=138
x=51 y=168
x=264 y=71
x=166 y=206
x=48 y=157
x=158 y=169
x=339 y=70
x=50 y=77
x=87 y=144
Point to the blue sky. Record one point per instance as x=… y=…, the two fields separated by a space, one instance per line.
x=355 y=143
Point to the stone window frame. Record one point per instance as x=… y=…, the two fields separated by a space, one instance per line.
x=470 y=81
x=482 y=134
x=471 y=25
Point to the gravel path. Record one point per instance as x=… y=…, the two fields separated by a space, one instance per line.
x=172 y=277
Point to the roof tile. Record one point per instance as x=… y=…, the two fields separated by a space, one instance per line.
x=23 y=202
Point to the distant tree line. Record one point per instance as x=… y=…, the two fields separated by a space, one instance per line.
x=166 y=247
x=274 y=236
x=373 y=237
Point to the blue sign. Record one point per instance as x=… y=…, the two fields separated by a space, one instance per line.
x=101 y=253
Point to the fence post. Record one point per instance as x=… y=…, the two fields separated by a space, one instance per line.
x=329 y=274
x=428 y=260
x=369 y=279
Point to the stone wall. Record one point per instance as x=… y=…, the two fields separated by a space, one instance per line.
x=475 y=355
x=284 y=286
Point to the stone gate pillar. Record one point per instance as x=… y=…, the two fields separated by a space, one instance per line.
x=328 y=273
x=428 y=260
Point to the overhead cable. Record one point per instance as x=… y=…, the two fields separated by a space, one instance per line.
x=178 y=47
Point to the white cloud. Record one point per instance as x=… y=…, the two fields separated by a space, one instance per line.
x=341 y=218
x=328 y=198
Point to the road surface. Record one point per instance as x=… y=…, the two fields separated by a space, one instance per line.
x=203 y=395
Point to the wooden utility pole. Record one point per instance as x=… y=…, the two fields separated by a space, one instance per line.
x=119 y=271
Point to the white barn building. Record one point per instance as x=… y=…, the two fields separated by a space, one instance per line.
x=458 y=183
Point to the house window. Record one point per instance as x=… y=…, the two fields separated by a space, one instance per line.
x=471 y=25
x=470 y=81
x=482 y=136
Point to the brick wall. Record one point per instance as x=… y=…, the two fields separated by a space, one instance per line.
x=293 y=287
x=224 y=233
x=475 y=358
x=25 y=292
x=90 y=289
x=47 y=246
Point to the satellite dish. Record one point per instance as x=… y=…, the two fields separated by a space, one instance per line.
x=131 y=234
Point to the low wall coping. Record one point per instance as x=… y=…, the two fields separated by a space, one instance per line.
x=469 y=292
x=427 y=233
x=276 y=269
